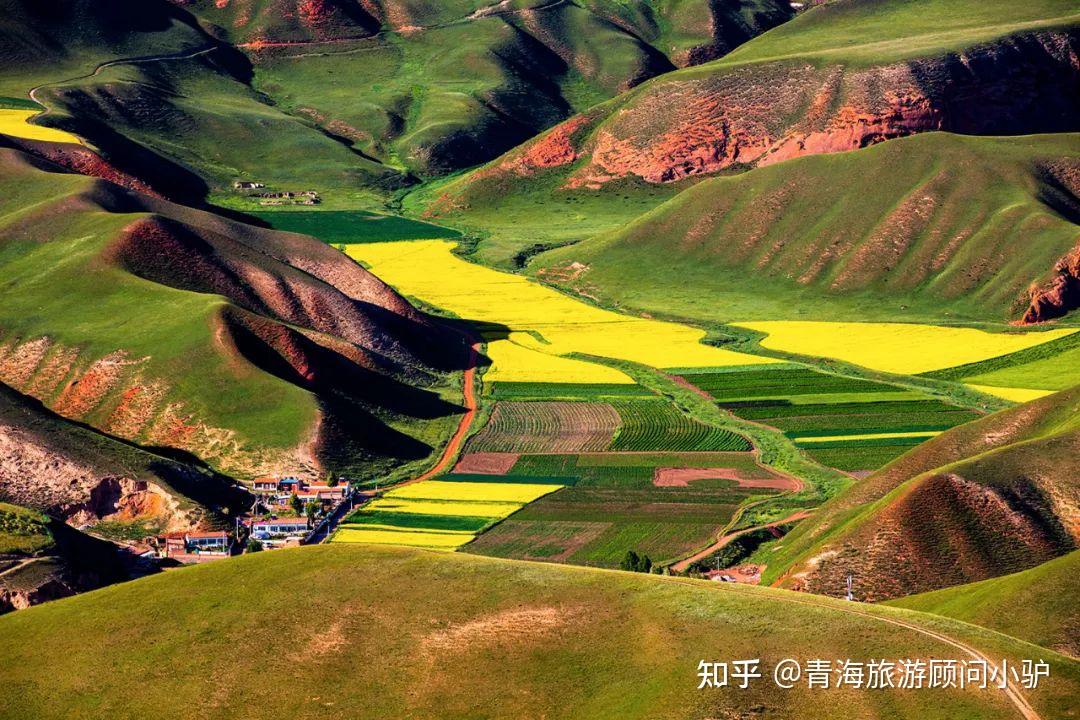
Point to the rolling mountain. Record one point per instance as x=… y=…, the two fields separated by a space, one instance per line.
x=256 y=351
x=936 y=239
x=988 y=498
x=478 y=637
x=840 y=76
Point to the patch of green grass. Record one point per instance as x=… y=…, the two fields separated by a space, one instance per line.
x=347 y=227
x=1037 y=605
x=863 y=32
x=23 y=531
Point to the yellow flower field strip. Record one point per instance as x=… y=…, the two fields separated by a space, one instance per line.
x=895 y=347
x=813 y=440
x=1019 y=395
x=14 y=122
x=428 y=270
x=410 y=538
x=511 y=362
x=473 y=491
x=403 y=528
x=444 y=507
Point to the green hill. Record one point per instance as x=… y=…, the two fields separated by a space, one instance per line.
x=991 y=497
x=804 y=239
x=353 y=100
x=177 y=328
x=1037 y=605
x=344 y=632
x=840 y=76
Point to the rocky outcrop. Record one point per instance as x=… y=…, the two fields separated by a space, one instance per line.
x=1059 y=296
x=35 y=475
x=766 y=113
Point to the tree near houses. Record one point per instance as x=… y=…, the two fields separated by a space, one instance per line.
x=296 y=504
x=636 y=563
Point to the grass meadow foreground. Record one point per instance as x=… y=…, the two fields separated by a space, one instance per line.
x=396 y=632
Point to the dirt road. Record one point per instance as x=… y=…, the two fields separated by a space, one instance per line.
x=682 y=565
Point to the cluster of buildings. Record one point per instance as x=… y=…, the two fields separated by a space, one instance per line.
x=284 y=197
x=278 y=492
x=278 y=497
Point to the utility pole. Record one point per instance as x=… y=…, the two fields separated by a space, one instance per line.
x=850 y=597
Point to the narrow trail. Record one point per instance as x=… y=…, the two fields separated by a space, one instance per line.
x=449 y=453
x=1016 y=697
x=20 y=565
x=181 y=55
x=682 y=565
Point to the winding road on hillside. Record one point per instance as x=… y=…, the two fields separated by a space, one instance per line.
x=468 y=399
x=1016 y=697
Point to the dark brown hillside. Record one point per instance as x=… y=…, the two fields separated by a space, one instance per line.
x=286 y=357
x=992 y=497
x=756 y=114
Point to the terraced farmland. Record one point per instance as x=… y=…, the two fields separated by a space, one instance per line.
x=624 y=425
x=658 y=425
x=847 y=423
x=437 y=514
x=596 y=523
x=548 y=427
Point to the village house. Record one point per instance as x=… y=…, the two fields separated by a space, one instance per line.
x=195 y=546
x=247 y=185
x=280 y=532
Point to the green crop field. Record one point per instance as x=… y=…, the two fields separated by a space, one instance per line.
x=565 y=391
x=613 y=507
x=807 y=405
x=1054 y=365
x=345 y=227
x=658 y=425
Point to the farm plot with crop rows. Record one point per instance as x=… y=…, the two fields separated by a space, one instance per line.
x=658 y=425
x=847 y=423
x=547 y=427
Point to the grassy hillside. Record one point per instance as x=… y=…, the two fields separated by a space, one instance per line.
x=805 y=240
x=173 y=327
x=477 y=637
x=840 y=76
x=43 y=559
x=1037 y=605
x=75 y=472
x=354 y=100
x=987 y=498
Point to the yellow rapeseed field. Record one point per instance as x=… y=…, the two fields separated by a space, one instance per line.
x=437 y=507
x=543 y=324
x=1019 y=395
x=14 y=123
x=811 y=440
x=901 y=348
x=433 y=540
x=473 y=491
